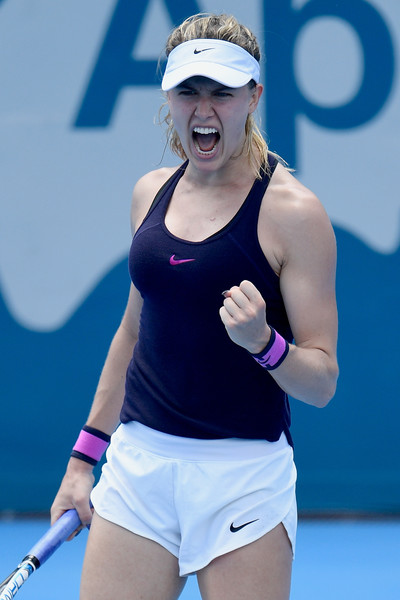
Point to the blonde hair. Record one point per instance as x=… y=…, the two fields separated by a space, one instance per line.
x=221 y=27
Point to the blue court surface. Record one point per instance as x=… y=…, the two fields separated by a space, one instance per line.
x=335 y=560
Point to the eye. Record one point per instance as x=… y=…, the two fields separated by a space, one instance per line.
x=186 y=92
x=223 y=94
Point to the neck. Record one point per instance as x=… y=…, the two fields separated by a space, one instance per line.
x=236 y=172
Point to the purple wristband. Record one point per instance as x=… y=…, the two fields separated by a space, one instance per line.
x=274 y=353
x=90 y=445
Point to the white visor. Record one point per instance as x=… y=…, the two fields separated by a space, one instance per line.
x=219 y=60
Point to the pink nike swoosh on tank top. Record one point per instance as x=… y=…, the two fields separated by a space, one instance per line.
x=178 y=261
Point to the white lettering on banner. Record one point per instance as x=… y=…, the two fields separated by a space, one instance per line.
x=66 y=181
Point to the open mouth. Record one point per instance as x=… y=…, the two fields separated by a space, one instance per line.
x=205 y=140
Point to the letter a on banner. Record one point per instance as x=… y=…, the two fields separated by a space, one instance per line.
x=115 y=68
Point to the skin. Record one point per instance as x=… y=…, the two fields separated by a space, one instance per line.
x=297 y=239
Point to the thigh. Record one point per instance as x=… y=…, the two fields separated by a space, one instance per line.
x=259 y=571
x=120 y=564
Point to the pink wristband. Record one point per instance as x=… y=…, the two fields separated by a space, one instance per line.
x=90 y=445
x=274 y=353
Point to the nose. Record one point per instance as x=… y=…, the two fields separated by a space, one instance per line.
x=204 y=108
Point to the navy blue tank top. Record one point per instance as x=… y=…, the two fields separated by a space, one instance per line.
x=186 y=376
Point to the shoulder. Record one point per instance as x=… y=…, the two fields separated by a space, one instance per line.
x=290 y=201
x=293 y=218
x=144 y=192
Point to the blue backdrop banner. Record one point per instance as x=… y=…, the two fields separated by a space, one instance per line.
x=80 y=95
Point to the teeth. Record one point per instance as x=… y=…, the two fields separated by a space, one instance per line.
x=205 y=130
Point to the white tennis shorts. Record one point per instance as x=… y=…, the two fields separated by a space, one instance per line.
x=199 y=499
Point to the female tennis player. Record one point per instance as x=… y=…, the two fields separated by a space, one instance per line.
x=231 y=309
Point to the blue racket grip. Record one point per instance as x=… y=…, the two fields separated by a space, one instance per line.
x=55 y=536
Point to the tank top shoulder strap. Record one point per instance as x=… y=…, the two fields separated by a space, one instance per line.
x=260 y=185
x=247 y=218
x=166 y=190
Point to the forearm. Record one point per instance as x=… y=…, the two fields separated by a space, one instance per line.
x=308 y=374
x=104 y=416
x=309 y=371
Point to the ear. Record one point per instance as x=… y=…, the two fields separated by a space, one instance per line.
x=255 y=97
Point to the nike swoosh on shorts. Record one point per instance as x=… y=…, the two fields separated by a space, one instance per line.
x=239 y=527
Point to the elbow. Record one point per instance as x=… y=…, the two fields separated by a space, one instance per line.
x=323 y=400
x=329 y=390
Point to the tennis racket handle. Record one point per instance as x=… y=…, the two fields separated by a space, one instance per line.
x=55 y=536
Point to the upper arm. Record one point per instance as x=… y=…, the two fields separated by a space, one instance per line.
x=131 y=319
x=307 y=277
